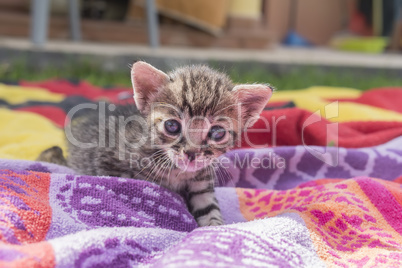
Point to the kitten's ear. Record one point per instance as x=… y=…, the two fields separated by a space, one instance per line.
x=147 y=81
x=253 y=99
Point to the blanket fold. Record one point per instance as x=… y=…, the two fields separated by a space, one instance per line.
x=61 y=220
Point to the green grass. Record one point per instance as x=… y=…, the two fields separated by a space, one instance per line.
x=297 y=78
x=314 y=76
x=83 y=71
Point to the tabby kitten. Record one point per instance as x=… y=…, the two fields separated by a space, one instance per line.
x=183 y=121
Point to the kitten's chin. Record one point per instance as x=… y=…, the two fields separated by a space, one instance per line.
x=190 y=167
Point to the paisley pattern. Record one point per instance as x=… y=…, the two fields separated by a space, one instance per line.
x=61 y=220
x=349 y=219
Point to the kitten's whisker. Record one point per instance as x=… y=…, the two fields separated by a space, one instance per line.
x=170 y=170
x=225 y=175
x=164 y=168
x=181 y=171
x=211 y=173
x=229 y=178
x=155 y=167
x=150 y=163
x=167 y=169
x=216 y=178
x=149 y=172
x=219 y=175
x=153 y=172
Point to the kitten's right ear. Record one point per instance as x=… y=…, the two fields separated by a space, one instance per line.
x=147 y=82
x=253 y=99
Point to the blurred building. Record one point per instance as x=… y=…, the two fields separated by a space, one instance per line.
x=252 y=24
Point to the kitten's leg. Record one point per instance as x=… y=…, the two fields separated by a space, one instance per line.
x=53 y=155
x=203 y=203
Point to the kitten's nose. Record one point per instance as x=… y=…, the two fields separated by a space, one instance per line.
x=190 y=155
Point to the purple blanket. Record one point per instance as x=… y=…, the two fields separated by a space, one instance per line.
x=286 y=167
x=52 y=218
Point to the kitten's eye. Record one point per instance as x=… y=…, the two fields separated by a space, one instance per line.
x=216 y=133
x=172 y=126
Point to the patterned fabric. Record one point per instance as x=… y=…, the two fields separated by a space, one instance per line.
x=314 y=205
x=35 y=112
x=286 y=167
x=349 y=222
x=62 y=220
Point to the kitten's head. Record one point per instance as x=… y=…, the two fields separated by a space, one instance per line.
x=195 y=113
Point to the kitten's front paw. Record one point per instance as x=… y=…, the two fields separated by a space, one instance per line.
x=210 y=221
x=215 y=222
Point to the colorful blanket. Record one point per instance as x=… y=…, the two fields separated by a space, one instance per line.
x=61 y=220
x=32 y=114
x=285 y=167
x=322 y=189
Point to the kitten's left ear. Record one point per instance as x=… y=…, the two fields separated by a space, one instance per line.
x=253 y=99
x=147 y=82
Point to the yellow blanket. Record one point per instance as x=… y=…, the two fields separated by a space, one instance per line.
x=24 y=135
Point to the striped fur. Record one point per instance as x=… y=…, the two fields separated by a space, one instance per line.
x=196 y=96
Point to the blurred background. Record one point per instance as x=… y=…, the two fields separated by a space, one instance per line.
x=290 y=43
